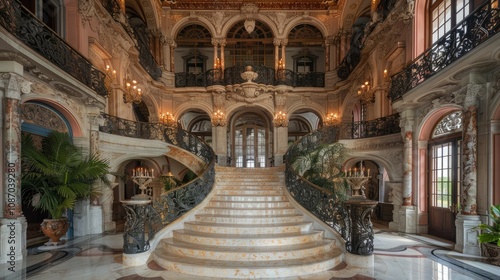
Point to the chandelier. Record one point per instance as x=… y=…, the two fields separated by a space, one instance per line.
x=132 y=94
x=365 y=94
x=168 y=119
x=280 y=120
x=218 y=118
x=332 y=119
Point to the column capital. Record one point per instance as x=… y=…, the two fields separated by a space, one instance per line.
x=14 y=85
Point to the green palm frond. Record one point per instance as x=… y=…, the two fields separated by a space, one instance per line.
x=58 y=172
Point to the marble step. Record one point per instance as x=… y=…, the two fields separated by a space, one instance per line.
x=249 y=211
x=249 y=198
x=249 y=204
x=246 y=240
x=269 y=269
x=250 y=192
x=206 y=227
x=247 y=219
x=254 y=253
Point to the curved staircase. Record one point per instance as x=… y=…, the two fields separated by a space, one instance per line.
x=248 y=229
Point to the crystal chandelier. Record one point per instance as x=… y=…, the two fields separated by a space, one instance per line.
x=280 y=120
x=218 y=118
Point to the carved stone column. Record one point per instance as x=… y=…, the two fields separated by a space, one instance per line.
x=468 y=219
x=276 y=43
x=407 y=212
x=12 y=222
x=95 y=213
x=406 y=125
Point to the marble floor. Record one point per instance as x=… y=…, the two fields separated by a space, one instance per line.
x=397 y=256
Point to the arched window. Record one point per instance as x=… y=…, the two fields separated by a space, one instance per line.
x=445 y=14
x=255 y=48
x=193 y=41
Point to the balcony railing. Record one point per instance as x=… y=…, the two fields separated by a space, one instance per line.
x=266 y=76
x=26 y=27
x=373 y=128
x=353 y=56
x=475 y=29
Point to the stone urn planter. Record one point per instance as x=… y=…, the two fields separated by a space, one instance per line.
x=55 y=229
x=492 y=252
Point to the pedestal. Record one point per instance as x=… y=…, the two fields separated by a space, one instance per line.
x=95 y=219
x=407 y=219
x=134 y=233
x=466 y=239
x=361 y=233
x=12 y=241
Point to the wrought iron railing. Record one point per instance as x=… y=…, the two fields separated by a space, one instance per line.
x=323 y=203
x=475 y=29
x=148 y=62
x=373 y=128
x=26 y=27
x=150 y=218
x=266 y=76
x=353 y=56
x=113 y=8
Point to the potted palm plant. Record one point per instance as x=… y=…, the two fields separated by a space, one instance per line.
x=490 y=236
x=55 y=176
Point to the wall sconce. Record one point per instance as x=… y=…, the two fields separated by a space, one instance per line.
x=218 y=118
x=280 y=120
x=132 y=94
x=365 y=94
x=168 y=119
x=110 y=78
x=332 y=119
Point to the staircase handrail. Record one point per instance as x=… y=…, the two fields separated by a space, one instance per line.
x=320 y=202
x=171 y=205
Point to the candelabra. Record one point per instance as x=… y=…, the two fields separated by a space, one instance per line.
x=132 y=94
x=142 y=177
x=357 y=178
x=365 y=94
x=280 y=120
x=218 y=118
x=168 y=119
x=332 y=119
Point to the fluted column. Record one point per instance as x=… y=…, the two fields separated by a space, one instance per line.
x=284 y=42
x=223 y=43
x=215 y=43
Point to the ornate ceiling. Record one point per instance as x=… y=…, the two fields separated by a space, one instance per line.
x=261 y=4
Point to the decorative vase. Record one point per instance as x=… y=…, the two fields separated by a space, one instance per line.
x=55 y=229
x=492 y=252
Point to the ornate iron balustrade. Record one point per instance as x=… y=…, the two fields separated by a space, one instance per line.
x=147 y=61
x=373 y=128
x=353 y=56
x=26 y=27
x=320 y=202
x=150 y=218
x=113 y=8
x=475 y=29
x=266 y=76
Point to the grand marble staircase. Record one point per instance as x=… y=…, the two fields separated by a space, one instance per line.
x=248 y=229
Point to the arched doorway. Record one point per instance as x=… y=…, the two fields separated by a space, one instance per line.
x=444 y=175
x=250 y=143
